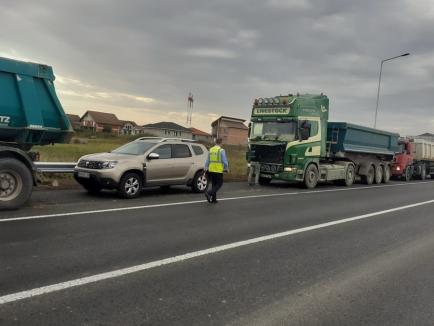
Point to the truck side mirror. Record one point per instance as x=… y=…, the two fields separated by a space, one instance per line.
x=304 y=133
x=304 y=130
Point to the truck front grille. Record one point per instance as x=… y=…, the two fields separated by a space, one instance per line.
x=272 y=153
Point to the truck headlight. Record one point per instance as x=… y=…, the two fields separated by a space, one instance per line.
x=290 y=169
x=108 y=164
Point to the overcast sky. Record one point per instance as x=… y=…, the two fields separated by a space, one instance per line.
x=140 y=59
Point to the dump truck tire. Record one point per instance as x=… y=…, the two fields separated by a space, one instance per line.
x=369 y=178
x=16 y=183
x=311 y=177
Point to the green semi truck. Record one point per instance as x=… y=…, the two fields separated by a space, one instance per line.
x=30 y=114
x=291 y=139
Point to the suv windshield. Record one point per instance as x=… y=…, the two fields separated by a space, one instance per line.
x=134 y=148
x=283 y=131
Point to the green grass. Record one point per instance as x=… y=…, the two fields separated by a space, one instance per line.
x=73 y=151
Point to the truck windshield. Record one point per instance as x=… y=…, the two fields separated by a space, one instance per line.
x=283 y=131
x=134 y=148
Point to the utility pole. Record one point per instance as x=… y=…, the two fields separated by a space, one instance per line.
x=379 y=82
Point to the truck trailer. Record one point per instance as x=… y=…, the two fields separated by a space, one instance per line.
x=30 y=114
x=291 y=139
x=414 y=160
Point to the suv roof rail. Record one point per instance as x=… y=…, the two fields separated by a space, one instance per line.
x=184 y=140
x=162 y=139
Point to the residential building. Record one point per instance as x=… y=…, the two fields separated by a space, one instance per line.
x=130 y=128
x=201 y=136
x=101 y=122
x=167 y=129
x=74 y=120
x=232 y=131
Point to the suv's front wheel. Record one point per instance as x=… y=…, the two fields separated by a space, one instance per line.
x=200 y=182
x=130 y=185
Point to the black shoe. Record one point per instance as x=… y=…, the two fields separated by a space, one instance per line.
x=214 y=200
x=208 y=197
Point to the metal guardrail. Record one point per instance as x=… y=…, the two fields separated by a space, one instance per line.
x=55 y=167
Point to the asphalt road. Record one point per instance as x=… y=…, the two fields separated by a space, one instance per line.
x=275 y=255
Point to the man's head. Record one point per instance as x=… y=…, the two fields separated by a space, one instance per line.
x=218 y=141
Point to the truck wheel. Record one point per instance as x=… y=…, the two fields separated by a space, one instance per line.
x=311 y=177
x=200 y=182
x=131 y=185
x=16 y=183
x=423 y=173
x=386 y=174
x=407 y=174
x=92 y=188
x=264 y=181
x=378 y=174
x=369 y=178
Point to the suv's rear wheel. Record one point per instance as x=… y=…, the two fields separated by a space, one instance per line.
x=200 y=182
x=130 y=185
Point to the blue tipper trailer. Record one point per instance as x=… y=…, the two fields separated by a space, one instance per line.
x=370 y=150
x=30 y=114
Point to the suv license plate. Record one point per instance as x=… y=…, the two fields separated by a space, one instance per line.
x=84 y=175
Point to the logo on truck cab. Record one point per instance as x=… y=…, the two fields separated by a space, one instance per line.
x=5 y=120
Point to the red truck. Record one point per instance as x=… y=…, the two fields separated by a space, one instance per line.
x=415 y=159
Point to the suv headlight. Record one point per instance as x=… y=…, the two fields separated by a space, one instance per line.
x=108 y=164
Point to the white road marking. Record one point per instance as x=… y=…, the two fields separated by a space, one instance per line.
x=139 y=268
x=119 y=209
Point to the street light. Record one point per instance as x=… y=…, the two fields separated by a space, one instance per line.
x=379 y=82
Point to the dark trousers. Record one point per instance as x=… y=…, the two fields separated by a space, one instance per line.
x=217 y=183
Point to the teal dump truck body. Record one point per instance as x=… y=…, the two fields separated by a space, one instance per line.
x=30 y=112
x=347 y=137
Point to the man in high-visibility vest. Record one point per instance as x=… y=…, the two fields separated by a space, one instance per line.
x=216 y=164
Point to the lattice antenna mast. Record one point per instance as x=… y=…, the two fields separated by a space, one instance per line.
x=190 y=109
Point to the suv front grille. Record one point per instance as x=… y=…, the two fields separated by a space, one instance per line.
x=90 y=164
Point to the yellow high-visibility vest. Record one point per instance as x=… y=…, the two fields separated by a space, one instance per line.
x=215 y=160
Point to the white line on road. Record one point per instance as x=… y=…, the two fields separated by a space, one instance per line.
x=119 y=209
x=139 y=268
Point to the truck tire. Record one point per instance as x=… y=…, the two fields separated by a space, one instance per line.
x=16 y=183
x=311 y=177
x=369 y=178
x=130 y=186
x=386 y=174
x=200 y=182
x=264 y=181
x=407 y=174
x=378 y=174
x=350 y=175
x=423 y=172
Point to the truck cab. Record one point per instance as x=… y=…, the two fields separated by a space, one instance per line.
x=287 y=133
x=403 y=161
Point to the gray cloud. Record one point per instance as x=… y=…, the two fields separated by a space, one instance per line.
x=229 y=52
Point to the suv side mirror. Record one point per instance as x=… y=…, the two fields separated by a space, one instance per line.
x=153 y=156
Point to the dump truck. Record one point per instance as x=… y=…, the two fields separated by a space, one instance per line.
x=30 y=114
x=414 y=160
x=291 y=139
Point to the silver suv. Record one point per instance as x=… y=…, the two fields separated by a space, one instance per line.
x=144 y=162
